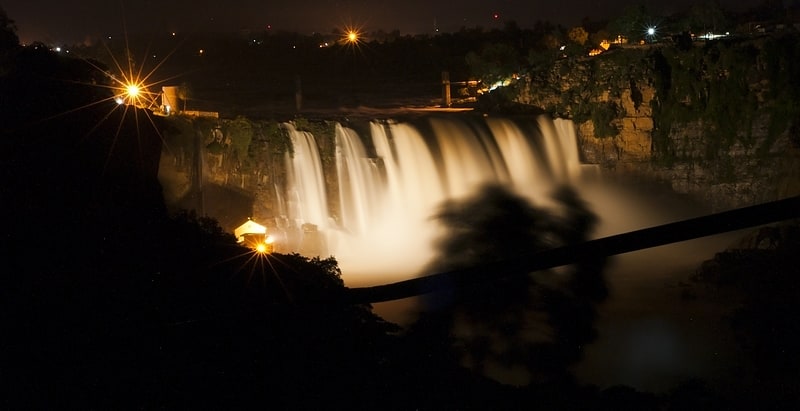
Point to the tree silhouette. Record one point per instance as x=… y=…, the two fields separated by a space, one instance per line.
x=8 y=33
x=185 y=92
x=494 y=63
x=578 y=35
x=707 y=16
x=537 y=322
x=108 y=301
x=633 y=22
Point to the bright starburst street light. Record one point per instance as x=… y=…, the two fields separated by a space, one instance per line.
x=131 y=85
x=133 y=90
x=266 y=246
x=351 y=36
x=650 y=33
x=133 y=93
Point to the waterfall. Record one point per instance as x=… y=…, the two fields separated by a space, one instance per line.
x=306 y=199
x=360 y=187
x=386 y=201
x=382 y=230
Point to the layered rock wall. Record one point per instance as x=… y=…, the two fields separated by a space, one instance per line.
x=718 y=121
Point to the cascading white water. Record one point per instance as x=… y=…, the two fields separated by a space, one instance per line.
x=360 y=185
x=306 y=201
x=384 y=229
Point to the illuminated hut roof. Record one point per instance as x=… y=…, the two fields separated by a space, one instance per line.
x=249 y=227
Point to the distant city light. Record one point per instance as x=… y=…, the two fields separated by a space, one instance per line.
x=713 y=36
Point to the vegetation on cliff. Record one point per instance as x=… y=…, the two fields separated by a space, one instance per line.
x=727 y=85
x=715 y=118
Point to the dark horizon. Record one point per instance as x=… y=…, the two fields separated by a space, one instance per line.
x=61 y=23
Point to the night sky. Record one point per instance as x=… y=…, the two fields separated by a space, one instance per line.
x=69 y=22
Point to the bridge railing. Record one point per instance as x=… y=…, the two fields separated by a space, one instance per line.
x=685 y=230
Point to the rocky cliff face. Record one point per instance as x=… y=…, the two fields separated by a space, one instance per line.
x=717 y=120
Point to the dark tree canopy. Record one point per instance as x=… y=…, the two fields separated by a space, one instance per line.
x=8 y=33
x=539 y=321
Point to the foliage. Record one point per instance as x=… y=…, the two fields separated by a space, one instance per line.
x=204 y=229
x=597 y=37
x=603 y=116
x=783 y=72
x=240 y=131
x=185 y=92
x=324 y=133
x=8 y=33
x=578 y=35
x=216 y=148
x=276 y=138
x=320 y=129
x=712 y=84
x=633 y=22
x=494 y=63
x=501 y=320
x=541 y=61
x=707 y=16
